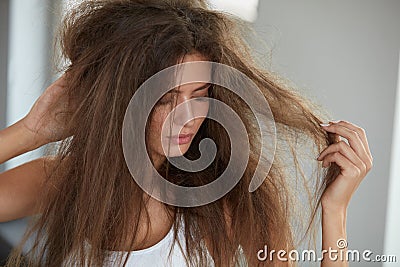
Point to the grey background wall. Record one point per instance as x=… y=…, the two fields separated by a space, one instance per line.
x=26 y=71
x=4 y=246
x=345 y=53
x=3 y=63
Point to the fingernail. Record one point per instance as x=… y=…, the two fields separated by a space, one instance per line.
x=335 y=121
x=328 y=165
x=324 y=124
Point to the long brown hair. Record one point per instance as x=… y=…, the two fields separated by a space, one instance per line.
x=112 y=47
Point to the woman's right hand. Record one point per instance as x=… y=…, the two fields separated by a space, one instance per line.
x=50 y=114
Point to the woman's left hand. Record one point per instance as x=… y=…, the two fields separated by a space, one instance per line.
x=354 y=160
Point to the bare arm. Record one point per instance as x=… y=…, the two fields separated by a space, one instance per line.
x=15 y=140
x=20 y=190
x=21 y=187
x=355 y=161
x=334 y=238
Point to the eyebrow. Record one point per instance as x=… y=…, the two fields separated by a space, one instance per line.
x=197 y=89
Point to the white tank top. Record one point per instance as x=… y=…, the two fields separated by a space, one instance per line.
x=156 y=255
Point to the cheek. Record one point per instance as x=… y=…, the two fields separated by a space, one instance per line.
x=200 y=122
x=202 y=108
x=158 y=119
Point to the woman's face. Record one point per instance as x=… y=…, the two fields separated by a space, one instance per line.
x=175 y=130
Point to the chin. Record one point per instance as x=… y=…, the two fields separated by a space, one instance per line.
x=178 y=151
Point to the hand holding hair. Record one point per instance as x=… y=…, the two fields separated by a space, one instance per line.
x=49 y=116
x=354 y=160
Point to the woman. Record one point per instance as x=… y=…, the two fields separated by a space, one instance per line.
x=86 y=204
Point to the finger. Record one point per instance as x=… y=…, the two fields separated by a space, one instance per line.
x=360 y=131
x=53 y=88
x=56 y=90
x=354 y=141
x=337 y=138
x=61 y=81
x=346 y=151
x=346 y=166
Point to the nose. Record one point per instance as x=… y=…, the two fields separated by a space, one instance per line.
x=185 y=114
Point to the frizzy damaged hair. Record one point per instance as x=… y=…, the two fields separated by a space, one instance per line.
x=112 y=47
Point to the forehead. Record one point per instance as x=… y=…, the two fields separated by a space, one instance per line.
x=194 y=77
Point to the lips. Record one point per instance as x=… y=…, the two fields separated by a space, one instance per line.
x=181 y=139
x=182 y=136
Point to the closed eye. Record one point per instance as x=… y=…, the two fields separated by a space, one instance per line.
x=164 y=101
x=170 y=97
